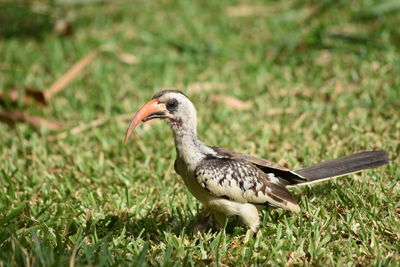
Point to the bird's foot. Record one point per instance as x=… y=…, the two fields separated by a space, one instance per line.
x=254 y=228
x=201 y=226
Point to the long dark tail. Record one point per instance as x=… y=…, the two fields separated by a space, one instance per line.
x=342 y=166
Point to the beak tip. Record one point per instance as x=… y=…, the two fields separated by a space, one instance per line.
x=141 y=115
x=126 y=140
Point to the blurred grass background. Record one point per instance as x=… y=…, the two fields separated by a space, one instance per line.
x=316 y=80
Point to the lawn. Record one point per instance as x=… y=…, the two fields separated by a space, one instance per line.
x=295 y=82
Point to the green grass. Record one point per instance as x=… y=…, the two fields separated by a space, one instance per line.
x=333 y=64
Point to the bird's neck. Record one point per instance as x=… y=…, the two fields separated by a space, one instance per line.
x=189 y=148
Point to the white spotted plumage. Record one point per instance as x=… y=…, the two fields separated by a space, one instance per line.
x=241 y=181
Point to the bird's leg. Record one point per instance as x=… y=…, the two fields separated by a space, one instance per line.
x=201 y=226
x=249 y=215
x=220 y=219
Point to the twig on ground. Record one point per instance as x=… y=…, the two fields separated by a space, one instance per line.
x=11 y=117
x=77 y=129
x=87 y=126
x=68 y=76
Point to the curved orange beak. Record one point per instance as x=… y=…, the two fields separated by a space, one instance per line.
x=153 y=109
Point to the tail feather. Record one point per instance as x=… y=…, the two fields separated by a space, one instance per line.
x=342 y=166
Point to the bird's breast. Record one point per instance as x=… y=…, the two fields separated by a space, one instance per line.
x=212 y=202
x=191 y=182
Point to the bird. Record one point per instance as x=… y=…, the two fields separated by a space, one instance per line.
x=230 y=183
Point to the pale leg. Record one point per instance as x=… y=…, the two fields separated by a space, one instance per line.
x=220 y=219
x=249 y=215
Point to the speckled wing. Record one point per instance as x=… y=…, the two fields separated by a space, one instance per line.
x=241 y=156
x=286 y=176
x=241 y=181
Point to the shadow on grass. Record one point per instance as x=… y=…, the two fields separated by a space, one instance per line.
x=151 y=227
x=158 y=220
x=67 y=238
x=20 y=21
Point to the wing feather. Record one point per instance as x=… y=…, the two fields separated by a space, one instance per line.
x=241 y=181
x=286 y=176
x=241 y=156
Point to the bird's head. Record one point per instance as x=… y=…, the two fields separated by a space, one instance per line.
x=171 y=105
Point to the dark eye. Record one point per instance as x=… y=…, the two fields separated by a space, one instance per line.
x=172 y=104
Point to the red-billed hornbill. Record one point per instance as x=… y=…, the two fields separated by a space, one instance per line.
x=230 y=183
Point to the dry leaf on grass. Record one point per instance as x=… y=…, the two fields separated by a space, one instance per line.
x=11 y=117
x=247 y=11
x=331 y=87
x=123 y=56
x=228 y=100
x=44 y=97
x=231 y=101
x=128 y=58
x=241 y=105
x=63 y=27
x=29 y=94
x=58 y=171
x=198 y=87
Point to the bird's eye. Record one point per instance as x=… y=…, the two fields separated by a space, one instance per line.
x=172 y=105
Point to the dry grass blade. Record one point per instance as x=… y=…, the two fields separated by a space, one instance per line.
x=57 y=170
x=77 y=129
x=11 y=117
x=231 y=101
x=68 y=76
x=128 y=58
x=279 y=111
x=247 y=10
x=90 y=125
x=198 y=87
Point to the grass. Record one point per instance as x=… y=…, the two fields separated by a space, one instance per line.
x=89 y=200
